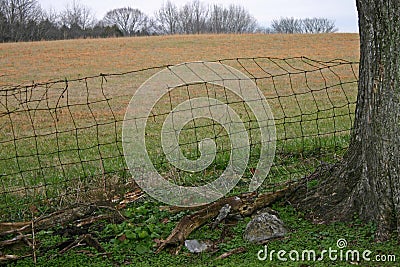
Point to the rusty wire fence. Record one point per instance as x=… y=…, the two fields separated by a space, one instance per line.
x=61 y=142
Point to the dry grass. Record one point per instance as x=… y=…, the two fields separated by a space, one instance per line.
x=22 y=63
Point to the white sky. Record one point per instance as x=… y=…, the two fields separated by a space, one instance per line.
x=344 y=12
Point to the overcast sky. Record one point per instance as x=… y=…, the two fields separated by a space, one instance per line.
x=342 y=11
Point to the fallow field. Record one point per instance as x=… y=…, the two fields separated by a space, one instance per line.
x=22 y=63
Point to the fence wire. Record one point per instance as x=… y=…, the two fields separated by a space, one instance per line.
x=61 y=141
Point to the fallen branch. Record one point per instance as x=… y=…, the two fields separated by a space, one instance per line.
x=5 y=258
x=232 y=252
x=13 y=228
x=245 y=205
x=89 y=240
x=14 y=240
x=81 y=215
x=8 y=258
x=61 y=217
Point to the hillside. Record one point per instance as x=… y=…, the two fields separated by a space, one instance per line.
x=22 y=63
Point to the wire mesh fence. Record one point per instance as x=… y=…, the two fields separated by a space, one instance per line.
x=61 y=142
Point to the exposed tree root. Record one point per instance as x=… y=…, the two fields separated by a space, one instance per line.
x=342 y=195
x=321 y=199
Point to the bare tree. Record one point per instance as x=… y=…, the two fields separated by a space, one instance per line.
x=287 y=25
x=235 y=19
x=218 y=19
x=240 y=20
x=150 y=27
x=167 y=18
x=77 y=16
x=20 y=15
x=193 y=18
x=21 y=11
x=4 y=25
x=129 y=20
x=52 y=16
x=308 y=25
x=318 y=25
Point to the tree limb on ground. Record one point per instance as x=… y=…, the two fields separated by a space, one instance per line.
x=83 y=215
x=245 y=205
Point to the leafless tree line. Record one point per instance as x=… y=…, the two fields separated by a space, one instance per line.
x=308 y=25
x=192 y=18
x=16 y=16
x=195 y=17
x=25 y=20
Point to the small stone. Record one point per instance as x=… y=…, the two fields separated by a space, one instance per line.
x=194 y=246
x=263 y=227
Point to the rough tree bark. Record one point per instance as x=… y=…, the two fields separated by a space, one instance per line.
x=367 y=182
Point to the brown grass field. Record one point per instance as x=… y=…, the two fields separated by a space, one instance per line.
x=22 y=63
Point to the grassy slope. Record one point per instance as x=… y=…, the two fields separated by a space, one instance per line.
x=43 y=61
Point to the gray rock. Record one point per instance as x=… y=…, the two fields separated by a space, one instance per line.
x=263 y=227
x=196 y=246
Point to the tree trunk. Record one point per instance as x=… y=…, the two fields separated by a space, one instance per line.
x=367 y=182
